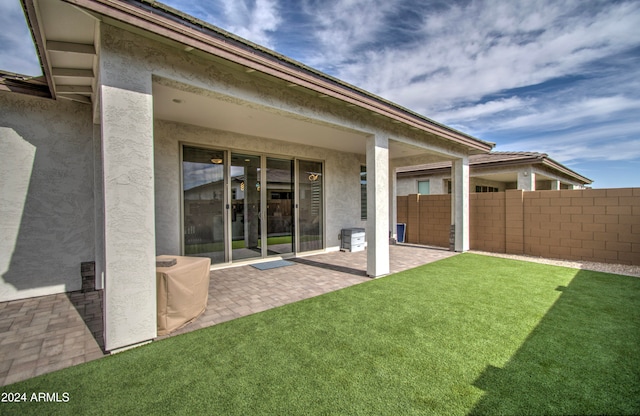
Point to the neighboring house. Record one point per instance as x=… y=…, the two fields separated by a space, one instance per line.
x=161 y=134
x=492 y=172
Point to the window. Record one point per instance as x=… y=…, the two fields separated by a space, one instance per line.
x=423 y=187
x=486 y=189
x=363 y=192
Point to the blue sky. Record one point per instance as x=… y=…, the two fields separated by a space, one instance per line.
x=559 y=77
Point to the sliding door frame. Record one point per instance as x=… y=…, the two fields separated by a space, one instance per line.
x=228 y=234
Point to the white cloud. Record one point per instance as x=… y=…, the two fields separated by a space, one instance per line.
x=572 y=114
x=341 y=27
x=253 y=21
x=595 y=143
x=468 y=52
x=478 y=111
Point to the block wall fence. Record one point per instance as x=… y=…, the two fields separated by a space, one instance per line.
x=601 y=225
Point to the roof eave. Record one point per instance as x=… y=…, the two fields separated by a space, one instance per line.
x=36 y=34
x=35 y=86
x=555 y=165
x=526 y=160
x=164 y=21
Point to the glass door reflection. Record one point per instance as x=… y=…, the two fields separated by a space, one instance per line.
x=245 y=206
x=311 y=205
x=279 y=209
x=203 y=195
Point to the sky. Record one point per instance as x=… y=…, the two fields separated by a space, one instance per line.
x=560 y=77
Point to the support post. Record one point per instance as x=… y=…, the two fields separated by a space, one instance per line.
x=527 y=179
x=393 y=209
x=460 y=203
x=126 y=117
x=377 y=206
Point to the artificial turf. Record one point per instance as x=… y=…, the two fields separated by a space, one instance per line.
x=466 y=335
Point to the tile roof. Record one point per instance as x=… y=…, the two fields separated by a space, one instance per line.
x=24 y=84
x=496 y=159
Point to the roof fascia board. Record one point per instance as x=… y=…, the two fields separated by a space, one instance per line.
x=33 y=20
x=253 y=59
x=26 y=86
x=502 y=163
x=474 y=167
x=561 y=168
x=425 y=172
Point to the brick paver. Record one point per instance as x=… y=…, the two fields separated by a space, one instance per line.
x=48 y=333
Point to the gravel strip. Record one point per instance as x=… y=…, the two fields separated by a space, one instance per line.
x=585 y=265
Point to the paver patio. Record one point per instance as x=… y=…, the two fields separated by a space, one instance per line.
x=48 y=333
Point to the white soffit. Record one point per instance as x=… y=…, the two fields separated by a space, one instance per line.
x=69 y=40
x=217 y=114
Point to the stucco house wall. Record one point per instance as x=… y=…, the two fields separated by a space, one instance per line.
x=543 y=177
x=438 y=184
x=100 y=179
x=47 y=168
x=46 y=195
x=341 y=177
x=408 y=186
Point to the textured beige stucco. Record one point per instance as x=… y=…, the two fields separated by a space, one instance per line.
x=46 y=198
x=460 y=203
x=342 y=177
x=129 y=164
x=378 y=205
x=126 y=114
x=409 y=185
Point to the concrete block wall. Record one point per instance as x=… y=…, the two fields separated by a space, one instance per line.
x=487 y=224
x=514 y=222
x=435 y=220
x=601 y=225
x=428 y=218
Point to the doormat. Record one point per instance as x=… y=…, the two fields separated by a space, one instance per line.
x=272 y=264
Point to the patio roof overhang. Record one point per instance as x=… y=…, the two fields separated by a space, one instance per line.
x=66 y=33
x=484 y=166
x=24 y=84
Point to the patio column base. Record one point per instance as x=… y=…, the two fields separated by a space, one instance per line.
x=129 y=347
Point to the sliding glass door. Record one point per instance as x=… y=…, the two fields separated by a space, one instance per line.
x=310 y=205
x=240 y=206
x=246 y=206
x=279 y=198
x=203 y=196
x=261 y=206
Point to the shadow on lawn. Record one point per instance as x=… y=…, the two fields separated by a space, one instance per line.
x=582 y=357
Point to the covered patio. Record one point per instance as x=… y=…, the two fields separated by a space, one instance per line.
x=48 y=333
x=169 y=137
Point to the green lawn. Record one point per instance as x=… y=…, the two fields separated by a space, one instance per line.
x=236 y=244
x=465 y=335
